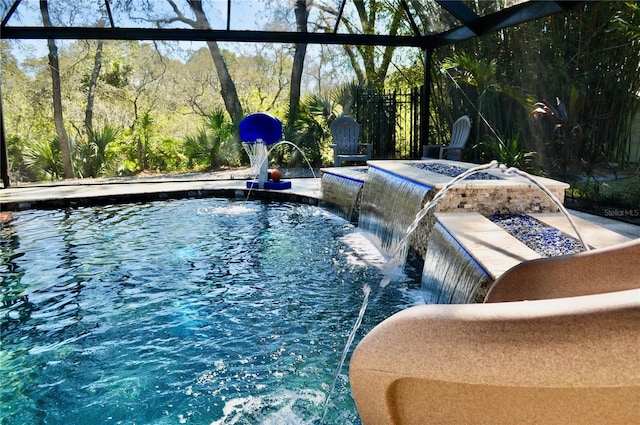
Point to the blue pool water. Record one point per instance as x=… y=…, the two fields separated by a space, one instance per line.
x=202 y=311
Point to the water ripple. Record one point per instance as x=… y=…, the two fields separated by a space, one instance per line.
x=203 y=311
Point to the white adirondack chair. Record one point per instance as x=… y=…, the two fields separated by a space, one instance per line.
x=345 y=132
x=459 y=136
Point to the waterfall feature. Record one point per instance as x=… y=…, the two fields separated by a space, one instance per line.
x=450 y=274
x=395 y=215
x=389 y=206
x=340 y=194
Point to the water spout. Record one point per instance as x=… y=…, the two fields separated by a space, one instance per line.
x=554 y=199
x=259 y=160
x=366 y=289
x=286 y=142
x=258 y=153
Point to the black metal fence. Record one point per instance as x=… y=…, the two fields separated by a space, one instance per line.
x=390 y=121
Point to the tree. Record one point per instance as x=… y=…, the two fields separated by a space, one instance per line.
x=227 y=86
x=91 y=89
x=370 y=66
x=302 y=15
x=262 y=77
x=54 y=66
x=477 y=73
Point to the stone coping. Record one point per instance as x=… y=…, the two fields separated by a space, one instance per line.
x=595 y=235
x=357 y=174
x=497 y=251
x=437 y=181
x=306 y=190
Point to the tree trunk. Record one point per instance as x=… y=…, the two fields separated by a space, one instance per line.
x=302 y=16
x=227 y=87
x=58 y=120
x=97 y=64
x=4 y=157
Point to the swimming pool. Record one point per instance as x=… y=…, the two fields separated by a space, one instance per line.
x=198 y=311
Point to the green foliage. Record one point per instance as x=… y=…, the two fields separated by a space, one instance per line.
x=165 y=155
x=480 y=73
x=510 y=153
x=478 y=89
x=624 y=193
x=18 y=169
x=91 y=154
x=197 y=149
x=144 y=132
x=619 y=192
x=117 y=74
x=123 y=156
x=627 y=21
x=43 y=158
x=594 y=49
x=310 y=130
x=345 y=96
x=213 y=145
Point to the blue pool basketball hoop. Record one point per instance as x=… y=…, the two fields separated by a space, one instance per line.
x=257 y=131
x=260 y=126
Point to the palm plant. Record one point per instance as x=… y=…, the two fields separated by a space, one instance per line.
x=510 y=152
x=101 y=139
x=472 y=72
x=93 y=153
x=225 y=150
x=145 y=129
x=197 y=148
x=310 y=131
x=43 y=157
x=213 y=144
x=569 y=137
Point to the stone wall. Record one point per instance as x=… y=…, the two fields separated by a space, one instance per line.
x=502 y=200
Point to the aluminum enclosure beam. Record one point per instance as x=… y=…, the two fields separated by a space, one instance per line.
x=85 y=33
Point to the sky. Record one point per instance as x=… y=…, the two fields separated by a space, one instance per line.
x=245 y=15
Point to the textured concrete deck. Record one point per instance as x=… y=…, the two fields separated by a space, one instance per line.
x=94 y=192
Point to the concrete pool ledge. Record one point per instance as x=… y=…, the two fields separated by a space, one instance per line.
x=599 y=232
x=77 y=193
x=497 y=251
x=504 y=194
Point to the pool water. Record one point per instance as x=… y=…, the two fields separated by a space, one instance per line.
x=201 y=311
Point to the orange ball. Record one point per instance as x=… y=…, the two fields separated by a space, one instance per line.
x=276 y=175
